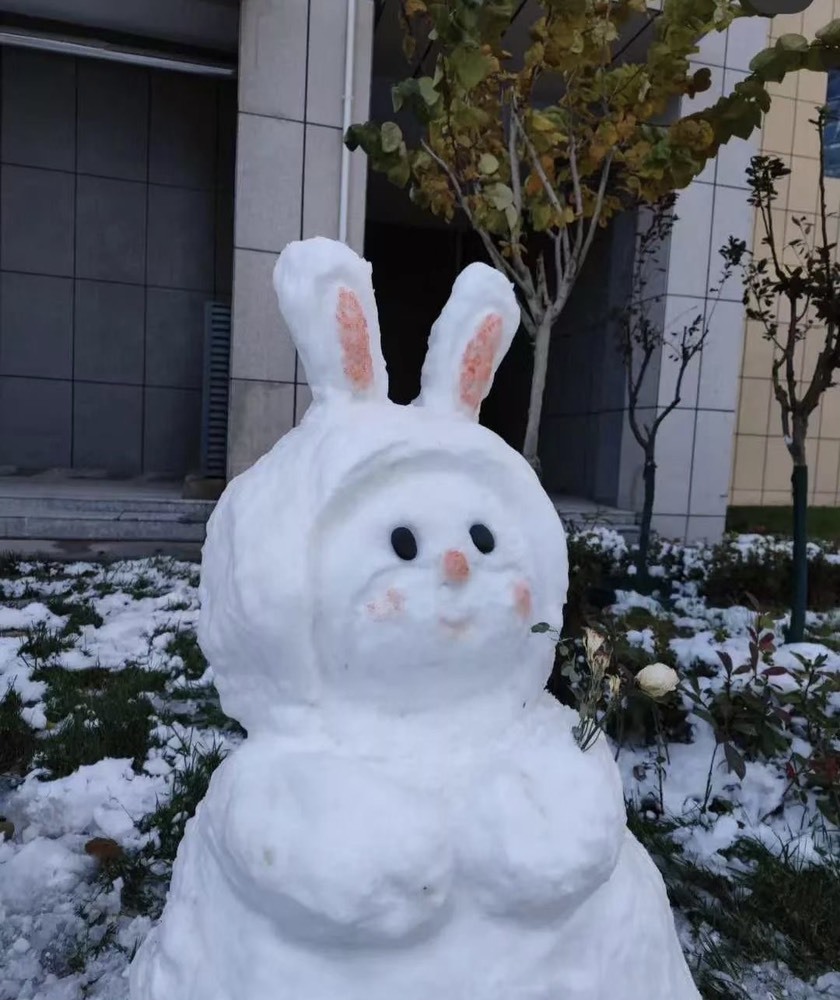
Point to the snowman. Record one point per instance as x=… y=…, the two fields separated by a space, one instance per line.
x=410 y=817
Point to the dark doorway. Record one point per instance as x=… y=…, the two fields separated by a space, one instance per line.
x=413 y=272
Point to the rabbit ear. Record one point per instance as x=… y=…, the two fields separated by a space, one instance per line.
x=468 y=340
x=325 y=294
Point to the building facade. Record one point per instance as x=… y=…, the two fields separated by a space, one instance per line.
x=761 y=471
x=157 y=155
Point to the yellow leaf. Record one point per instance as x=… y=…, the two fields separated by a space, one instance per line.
x=541 y=215
x=541 y=122
x=534 y=55
x=533 y=185
x=597 y=151
x=607 y=133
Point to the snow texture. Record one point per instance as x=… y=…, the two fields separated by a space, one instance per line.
x=410 y=815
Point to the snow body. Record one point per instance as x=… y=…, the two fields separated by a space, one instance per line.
x=410 y=815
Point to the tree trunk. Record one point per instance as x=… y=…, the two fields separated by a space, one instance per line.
x=542 y=343
x=649 y=480
x=799 y=484
x=799 y=597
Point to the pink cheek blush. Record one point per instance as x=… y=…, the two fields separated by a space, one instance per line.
x=391 y=605
x=522 y=601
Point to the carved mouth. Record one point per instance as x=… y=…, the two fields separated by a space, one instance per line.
x=457 y=626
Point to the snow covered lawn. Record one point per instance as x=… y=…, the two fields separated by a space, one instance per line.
x=110 y=728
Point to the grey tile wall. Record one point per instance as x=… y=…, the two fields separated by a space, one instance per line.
x=35 y=429
x=36 y=325
x=164 y=410
x=181 y=238
x=38 y=109
x=110 y=229
x=174 y=337
x=116 y=227
x=113 y=121
x=583 y=432
x=110 y=320
x=107 y=427
x=37 y=220
x=291 y=91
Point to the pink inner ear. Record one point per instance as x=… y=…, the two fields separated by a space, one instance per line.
x=477 y=363
x=355 y=340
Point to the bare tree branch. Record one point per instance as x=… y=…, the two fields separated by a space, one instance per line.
x=599 y=202
x=542 y=281
x=513 y=156
x=533 y=156
x=557 y=240
x=526 y=280
x=573 y=166
x=492 y=250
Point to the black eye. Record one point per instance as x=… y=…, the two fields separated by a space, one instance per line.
x=482 y=538
x=404 y=543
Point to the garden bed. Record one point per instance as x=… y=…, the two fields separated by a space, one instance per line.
x=110 y=728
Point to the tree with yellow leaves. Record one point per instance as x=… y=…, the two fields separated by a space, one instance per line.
x=540 y=151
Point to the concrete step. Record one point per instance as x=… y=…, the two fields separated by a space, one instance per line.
x=579 y=513
x=106 y=508
x=107 y=519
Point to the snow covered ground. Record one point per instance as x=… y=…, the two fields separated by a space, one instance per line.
x=109 y=727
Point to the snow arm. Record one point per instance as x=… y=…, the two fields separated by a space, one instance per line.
x=328 y=849
x=542 y=830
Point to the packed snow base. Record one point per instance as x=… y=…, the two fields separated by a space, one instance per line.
x=410 y=813
x=69 y=926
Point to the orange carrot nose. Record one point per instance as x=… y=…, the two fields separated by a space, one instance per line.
x=456 y=569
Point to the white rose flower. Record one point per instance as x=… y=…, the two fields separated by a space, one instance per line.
x=657 y=680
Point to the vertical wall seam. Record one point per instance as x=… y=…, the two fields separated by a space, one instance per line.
x=2 y=51
x=75 y=255
x=146 y=269
x=302 y=183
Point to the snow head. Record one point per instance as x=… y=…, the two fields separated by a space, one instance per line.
x=394 y=557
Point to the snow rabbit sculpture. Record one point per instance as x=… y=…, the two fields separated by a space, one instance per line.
x=410 y=817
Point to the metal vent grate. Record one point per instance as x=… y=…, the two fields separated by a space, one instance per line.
x=214 y=410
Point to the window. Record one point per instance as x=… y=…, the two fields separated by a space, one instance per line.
x=832 y=125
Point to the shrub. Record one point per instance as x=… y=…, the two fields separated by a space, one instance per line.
x=595 y=560
x=764 y=569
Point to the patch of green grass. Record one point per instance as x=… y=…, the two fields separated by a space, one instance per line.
x=823 y=522
x=10 y=566
x=189 y=786
x=145 y=872
x=178 y=606
x=765 y=908
x=184 y=643
x=99 y=935
x=17 y=738
x=97 y=713
x=78 y=613
x=202 y=710
x=144 y=881
x=43 y=644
